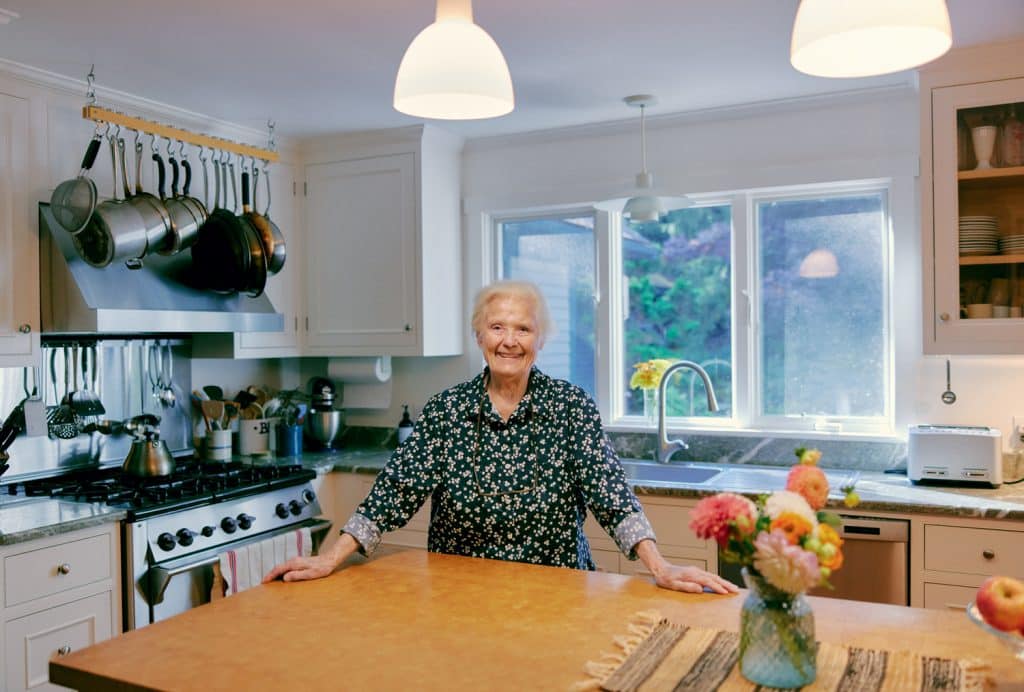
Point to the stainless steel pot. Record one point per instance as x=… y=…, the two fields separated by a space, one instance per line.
x=152 y=209
x=116 y=230
x=184 y=221
x=273 y=239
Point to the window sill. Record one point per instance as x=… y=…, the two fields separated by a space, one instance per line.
x=625 y=426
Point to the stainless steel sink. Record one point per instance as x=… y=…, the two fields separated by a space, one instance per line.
x=769 y=479
x=637 y=470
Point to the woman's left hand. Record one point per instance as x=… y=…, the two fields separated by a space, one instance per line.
x=691 y=580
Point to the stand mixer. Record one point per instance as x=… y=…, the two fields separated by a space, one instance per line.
x=323 y=423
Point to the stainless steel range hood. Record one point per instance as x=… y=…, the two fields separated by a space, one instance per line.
x=78 y=298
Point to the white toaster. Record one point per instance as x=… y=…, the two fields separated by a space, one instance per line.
x=955 y=454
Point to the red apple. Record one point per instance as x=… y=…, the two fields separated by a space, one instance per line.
x=1000 y=601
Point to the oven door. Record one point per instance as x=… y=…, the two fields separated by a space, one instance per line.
x=173 y=586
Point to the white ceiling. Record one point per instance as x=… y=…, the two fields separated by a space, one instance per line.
x=322 y=66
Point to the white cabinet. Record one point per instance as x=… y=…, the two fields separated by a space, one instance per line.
x=969 y=211
x=383 y=245
x=19 y=244
x=59 y=594
x=349 y=491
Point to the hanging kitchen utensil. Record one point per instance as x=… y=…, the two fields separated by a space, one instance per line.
x=151 y=207
x=88 y=404
x=184 y=222
x=73 y=201
x=948 y=396
x=256 y=279
x=62 y=422
x=275 y=263
x=197 y=207
x=167 y=395
x=270 y=234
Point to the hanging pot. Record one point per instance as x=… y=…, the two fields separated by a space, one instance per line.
x=152 y=209
x=184 y=222
x=273 y=239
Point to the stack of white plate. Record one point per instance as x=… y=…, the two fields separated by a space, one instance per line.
x=979 y=235
x=1012 y=245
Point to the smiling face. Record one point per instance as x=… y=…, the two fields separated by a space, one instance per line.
x=509 y=337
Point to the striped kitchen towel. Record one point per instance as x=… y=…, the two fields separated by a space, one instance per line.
x=244 y=567
x=658 y=654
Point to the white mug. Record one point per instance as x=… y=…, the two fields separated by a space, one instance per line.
x=254 y=436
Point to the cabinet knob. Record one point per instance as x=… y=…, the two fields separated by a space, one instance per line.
x=988 y=554
x=64 y=569
x=944 y=317
x=25 y=328
x=408 y=327
x=64 y=650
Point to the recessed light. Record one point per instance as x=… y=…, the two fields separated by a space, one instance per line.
x=6 y=16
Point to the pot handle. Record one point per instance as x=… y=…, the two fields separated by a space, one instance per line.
x=174 y=175
x=161 y=174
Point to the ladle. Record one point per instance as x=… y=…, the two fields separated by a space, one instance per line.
x=948 y=396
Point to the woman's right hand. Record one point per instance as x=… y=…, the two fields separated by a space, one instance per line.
x=315 y=566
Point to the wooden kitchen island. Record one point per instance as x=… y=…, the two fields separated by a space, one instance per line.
x=416 y=620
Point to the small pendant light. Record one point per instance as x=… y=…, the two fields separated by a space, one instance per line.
x=643 y=202
x=453 y=70
x=861 y=38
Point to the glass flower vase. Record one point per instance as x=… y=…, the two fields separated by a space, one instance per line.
x=777 y=644
x=651 y=406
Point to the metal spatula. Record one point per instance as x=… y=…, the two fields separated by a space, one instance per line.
x=87 y=404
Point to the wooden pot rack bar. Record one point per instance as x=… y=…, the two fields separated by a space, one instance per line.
x=102 y=115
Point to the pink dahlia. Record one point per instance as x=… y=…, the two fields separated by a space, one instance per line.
x=714 y=516
x=810 y=482
x=786 y=567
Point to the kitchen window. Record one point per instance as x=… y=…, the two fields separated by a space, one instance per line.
x=781 y=294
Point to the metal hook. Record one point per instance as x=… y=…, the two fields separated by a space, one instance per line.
x=154 y=147
x=170 y=154
x=271 y=144
x=90 y=85
x=202 y=152
x=181 y=149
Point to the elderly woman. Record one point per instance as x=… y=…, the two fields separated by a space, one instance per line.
x=512 y=460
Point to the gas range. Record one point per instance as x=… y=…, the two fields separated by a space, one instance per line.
x=176 y=527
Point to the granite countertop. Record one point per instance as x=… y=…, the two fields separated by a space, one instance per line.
x=28 y=518
x=878 y=491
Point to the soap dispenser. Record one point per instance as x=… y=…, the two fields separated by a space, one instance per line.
x=404 y=425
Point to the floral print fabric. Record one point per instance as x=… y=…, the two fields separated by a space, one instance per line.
x=516 y=490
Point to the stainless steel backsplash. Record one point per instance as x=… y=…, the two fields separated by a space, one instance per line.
x=128 y=369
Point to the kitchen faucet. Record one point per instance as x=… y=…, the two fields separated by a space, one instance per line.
x=666 y=447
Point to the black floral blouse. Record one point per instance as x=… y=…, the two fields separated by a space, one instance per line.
x=512 y=491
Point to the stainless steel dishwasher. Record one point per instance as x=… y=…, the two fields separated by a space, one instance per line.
x=876 y=560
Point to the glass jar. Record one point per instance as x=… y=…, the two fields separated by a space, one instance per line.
x=1011 y=140
x=777 y=644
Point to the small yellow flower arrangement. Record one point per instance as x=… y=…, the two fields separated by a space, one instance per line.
x=648 y=374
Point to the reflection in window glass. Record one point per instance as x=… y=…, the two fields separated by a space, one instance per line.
x=678 y=275
x=822 y=306
x=557 y=254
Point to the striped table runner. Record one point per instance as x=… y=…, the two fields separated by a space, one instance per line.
x=658 y=654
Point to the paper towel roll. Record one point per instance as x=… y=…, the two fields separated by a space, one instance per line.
x=366 y=382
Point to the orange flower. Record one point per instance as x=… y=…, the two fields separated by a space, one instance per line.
x=826 y=534
x=829 y=554
x=793 y=525
x=809 y=457
x=810 y=482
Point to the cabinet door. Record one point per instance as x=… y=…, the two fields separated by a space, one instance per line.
x=285 y=288
x=361 y=249
x=977 y=224
x=19 y=242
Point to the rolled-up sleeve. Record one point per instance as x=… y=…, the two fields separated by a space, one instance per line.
x=404 y=484
x=606 y=492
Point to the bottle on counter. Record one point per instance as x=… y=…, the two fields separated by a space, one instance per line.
x=405 y=425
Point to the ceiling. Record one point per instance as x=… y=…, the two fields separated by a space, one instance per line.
x=326 y=66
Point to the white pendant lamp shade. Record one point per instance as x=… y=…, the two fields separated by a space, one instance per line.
x=644 y=202
x=453 y=70
x=819 y=264
x=860 y=38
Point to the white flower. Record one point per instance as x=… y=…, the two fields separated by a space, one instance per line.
x=787 y=501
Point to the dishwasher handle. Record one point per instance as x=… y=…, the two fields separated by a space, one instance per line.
x=875 y=529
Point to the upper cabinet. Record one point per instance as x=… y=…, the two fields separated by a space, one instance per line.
x=19 y=243
x=972 y=208
x=383 y=245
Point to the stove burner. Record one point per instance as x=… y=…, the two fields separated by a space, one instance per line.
x=192 y=483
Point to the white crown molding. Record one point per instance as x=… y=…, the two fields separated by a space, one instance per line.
x=142 y=106
x=669 y=120
x=7 y=16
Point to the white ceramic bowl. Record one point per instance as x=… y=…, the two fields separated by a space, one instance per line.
x=1012 y=640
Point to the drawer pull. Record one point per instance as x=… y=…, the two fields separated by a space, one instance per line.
x=64 y=650
x=956 y=606
x=988 y=554
x=64 y=568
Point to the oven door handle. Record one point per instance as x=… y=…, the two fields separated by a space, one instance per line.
x=160 y=576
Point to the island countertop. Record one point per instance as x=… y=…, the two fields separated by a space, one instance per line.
x=418 y=620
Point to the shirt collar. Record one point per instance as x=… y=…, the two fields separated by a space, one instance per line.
x=534 y=403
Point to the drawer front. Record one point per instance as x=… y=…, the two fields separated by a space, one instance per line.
x=33 y=640
x=671 y=525
x=948 y=596
x=973 y=551
x=606 y=560
x=47 y=571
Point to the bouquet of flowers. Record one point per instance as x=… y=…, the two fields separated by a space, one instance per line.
x=648 y=373
x=785 y=538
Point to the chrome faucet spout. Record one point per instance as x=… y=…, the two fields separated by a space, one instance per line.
x=666 y=447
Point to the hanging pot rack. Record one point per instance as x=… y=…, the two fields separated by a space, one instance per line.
x=104 y=115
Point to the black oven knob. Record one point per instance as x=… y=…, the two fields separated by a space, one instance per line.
x=228 y=524
x=245 y=521
x=281 y=510
x=185 y=537
x=207 y=530
x=166 y=541
x=308 y=496
x=295 y=507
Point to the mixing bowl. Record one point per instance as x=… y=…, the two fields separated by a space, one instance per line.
x=324 y=427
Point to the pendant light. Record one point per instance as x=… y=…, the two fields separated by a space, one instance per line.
x=453 y=70
x=819 y=264
x=643 y=203
x=861 y=38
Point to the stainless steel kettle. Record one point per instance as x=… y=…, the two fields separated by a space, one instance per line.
x=149 y=455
